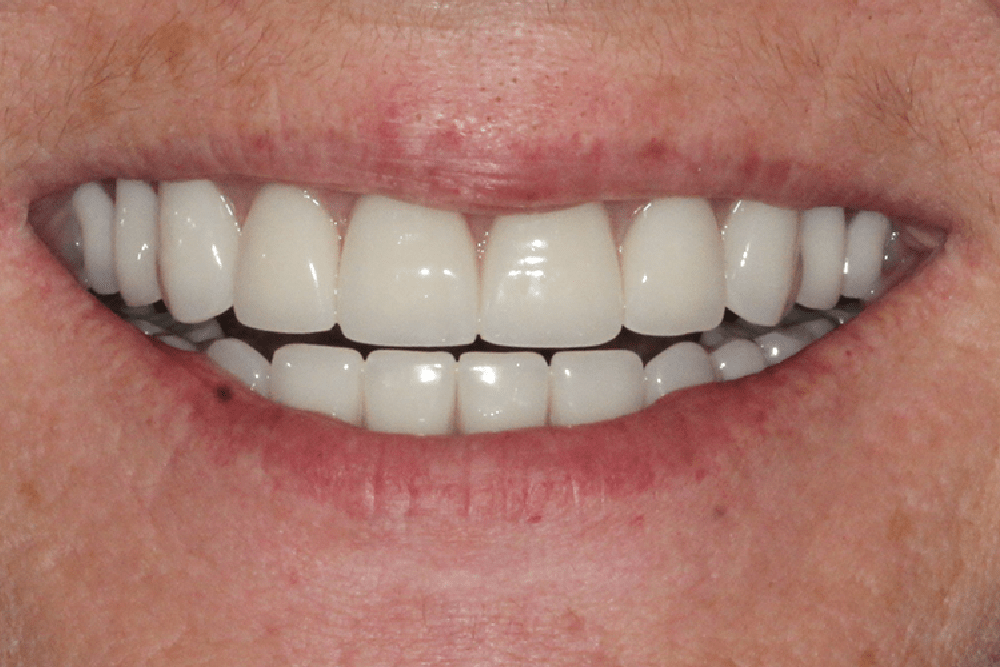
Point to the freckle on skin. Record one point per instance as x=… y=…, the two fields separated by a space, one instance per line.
x=223 y=393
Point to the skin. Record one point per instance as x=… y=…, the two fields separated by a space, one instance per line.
x=841 y=510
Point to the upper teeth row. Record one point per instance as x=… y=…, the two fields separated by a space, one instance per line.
x=408 y=275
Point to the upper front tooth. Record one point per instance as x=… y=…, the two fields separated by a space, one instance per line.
x=551 y=280
x=286 y=271
x=672 y=269
x=95 y=210
x=760 y=248
x=823 y=238
x=866 y=238
x=408 y=276
x=136 y=242
x=199 y=240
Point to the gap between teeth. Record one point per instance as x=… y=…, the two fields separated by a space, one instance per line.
x=394 y=274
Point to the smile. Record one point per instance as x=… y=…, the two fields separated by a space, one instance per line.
x=407 y=319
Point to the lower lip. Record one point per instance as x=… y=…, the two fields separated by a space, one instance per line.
x=521 y=476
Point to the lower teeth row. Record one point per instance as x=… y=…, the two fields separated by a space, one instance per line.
x=439 y=392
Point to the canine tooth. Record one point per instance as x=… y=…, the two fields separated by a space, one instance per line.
x=866 y=238
x=551 y=280
x=738 y=358
x=823 y=243
x=136 y=208
x=199 y=240
x=410 y=392
x=95 y=210
x=681 y=365
x=760 y=255
x=501 y=391
x=672 y=269
x=318 y=378
x=286 y=270
x=780 y=345
x=408 y=276
x=242 y=361
x=594 y=385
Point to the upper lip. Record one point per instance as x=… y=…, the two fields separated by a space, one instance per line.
x=476 y=141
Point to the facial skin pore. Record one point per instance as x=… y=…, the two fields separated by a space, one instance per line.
x=842 y=510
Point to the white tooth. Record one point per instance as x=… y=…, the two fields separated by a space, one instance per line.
x=286 y=270
x=501 y=391
x=96 y=212
x=242 y=361
x=722 y=334
x=866 y=237
x=136 y=241
x=780 y=345
x=738 y=358
x=814 y=329
x=672 y=271
x=199 y=240
x=681 y=365
x=177 y=342
x=146 y=327
x=200 y=332
x=318 y=378
x=551 y=280
x=408 y=276
x=823 y=240
x=844 y=315
x=760 y=249
x=594 y=385
x=410 y=392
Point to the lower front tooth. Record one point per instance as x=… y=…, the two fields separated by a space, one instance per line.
x=672 y=269
x=594 y=385
x=410 y=392
x=780 y=345
x=95 y=211
x=199 y=240
x=242 y=361
x=286 y=271
x=136 y=242
x=501 y=391
x=738 y=358
x=760 y=248
x=681 y=365
x=318 y=378
x=866 y=238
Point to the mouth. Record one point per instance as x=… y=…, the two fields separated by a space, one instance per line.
x=406 y=319
x=530 y=341
x=449 y=152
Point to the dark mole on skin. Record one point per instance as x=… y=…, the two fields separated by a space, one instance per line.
x=224 y=393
